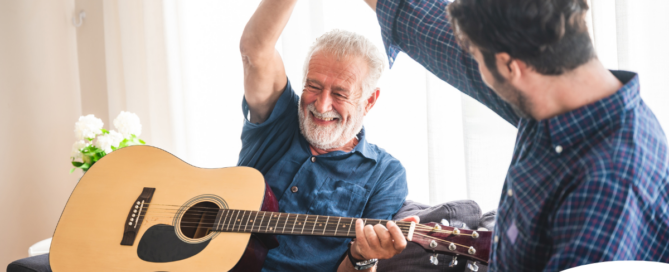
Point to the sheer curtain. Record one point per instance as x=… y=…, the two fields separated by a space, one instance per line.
x=452 y=146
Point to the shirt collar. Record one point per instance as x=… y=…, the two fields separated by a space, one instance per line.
x=571 y=127
x=363 y=147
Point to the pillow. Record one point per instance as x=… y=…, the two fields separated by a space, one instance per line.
x=465 y=214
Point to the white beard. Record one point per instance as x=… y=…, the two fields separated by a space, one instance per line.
x=332 y=136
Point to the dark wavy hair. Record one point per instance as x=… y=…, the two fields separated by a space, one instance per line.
x=549 y=35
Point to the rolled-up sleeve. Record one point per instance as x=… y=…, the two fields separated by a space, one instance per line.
x=420 y=28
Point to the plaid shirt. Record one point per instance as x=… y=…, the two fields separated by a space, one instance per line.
x=585 y=186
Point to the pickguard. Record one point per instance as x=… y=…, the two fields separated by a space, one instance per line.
x=160 y=244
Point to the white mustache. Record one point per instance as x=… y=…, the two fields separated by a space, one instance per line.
x=328 y=114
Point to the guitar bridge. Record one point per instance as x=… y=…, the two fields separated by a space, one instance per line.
x=136 y=216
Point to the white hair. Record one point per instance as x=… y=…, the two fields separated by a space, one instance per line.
x=342 y=44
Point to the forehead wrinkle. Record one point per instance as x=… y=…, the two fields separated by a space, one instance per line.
x=345 y=71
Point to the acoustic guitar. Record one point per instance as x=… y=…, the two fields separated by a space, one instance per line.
x=142 y=209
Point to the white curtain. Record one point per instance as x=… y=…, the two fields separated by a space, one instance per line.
x=452 y=146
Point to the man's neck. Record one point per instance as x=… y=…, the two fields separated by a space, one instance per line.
x=582 y=86
x=346 y=148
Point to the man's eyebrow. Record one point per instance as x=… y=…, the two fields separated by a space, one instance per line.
x=340 y=88
x=315 y=82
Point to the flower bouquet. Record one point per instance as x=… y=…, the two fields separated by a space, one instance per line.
x=94 y=142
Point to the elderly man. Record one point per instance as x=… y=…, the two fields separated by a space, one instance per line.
x=588 y=178
x=312 y=149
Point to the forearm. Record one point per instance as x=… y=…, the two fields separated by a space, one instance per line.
x=264 y=28
x=422 y=30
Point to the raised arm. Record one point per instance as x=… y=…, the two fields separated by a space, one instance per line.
x=264 y=74
x=421 y=29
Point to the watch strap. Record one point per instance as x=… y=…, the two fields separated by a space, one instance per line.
x=360 y=264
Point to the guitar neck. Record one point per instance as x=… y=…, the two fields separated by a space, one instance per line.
x=295 y=224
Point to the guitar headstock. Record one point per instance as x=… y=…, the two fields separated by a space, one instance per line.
x=453 y=241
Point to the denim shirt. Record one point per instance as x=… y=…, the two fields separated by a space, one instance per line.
x=366 y=182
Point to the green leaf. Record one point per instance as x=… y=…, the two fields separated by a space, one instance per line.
x=72 y=170
x=77 y=164
x=104 y=131
x=142 y=141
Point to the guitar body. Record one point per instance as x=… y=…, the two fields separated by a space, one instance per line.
x=149 y=200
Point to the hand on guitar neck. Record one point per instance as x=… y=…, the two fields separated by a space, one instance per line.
x=376 y=242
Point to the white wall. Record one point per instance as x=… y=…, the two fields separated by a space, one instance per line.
x=39 y=103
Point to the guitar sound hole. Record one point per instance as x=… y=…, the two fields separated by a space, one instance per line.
x=199 y=220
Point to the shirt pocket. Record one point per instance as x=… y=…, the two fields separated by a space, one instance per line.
x=338 y=198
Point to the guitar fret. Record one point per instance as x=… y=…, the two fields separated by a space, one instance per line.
x=296 y=217
x=254 y=221
x=269 y=221
x=235 y=222
x=284 y=223
x=218 y=226
x=349 y=226
x=305 y=223
x=227 y=214
x=277 y=222
x=338 y=221
x=312 y=230
x=229 y=222
x=247 y=221
x=240 y=221
x=326 y=224
x=262 y=219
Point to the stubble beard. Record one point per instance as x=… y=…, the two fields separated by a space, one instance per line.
x=520 y=104
x=331 y=136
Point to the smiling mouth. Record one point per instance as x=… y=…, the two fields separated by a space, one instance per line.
x=327 y=119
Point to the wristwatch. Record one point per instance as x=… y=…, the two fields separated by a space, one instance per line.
x=361 y=264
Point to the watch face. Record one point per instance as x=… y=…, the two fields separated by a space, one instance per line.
x=366 y=264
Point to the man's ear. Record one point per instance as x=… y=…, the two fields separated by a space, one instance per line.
x=511 y=69
x=371 y=101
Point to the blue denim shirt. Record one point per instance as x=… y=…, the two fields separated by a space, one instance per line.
x=366 y=182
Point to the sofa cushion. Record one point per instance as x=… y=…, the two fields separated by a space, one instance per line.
x=464 y=214
x=39 y=263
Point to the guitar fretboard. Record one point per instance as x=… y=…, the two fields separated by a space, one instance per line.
x=292 y=224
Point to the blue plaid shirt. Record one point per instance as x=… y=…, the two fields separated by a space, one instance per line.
x=585 y=186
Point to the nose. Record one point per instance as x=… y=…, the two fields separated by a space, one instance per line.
x=323 y=102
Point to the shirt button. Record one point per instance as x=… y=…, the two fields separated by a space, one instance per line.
x=293 y=189
x=496 y=238
x=558 y=149
x=509 y=192
x=313 y=159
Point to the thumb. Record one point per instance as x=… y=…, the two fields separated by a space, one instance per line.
x=412 y=218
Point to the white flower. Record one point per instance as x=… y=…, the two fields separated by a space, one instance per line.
x=105 y=142
x=127 y=123
x=76 y=149
x=87 y=127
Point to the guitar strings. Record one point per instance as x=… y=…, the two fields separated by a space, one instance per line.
x=207 y=210
x=235 y=224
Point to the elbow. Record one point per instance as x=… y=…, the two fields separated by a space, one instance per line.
x=249 y=51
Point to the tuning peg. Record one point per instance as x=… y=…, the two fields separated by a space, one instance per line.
x=454 y=262
x=434 y=259
x=473 y=266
